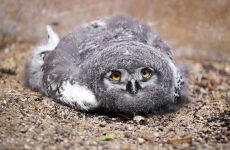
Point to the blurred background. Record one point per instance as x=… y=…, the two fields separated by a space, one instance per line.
x=193 y=29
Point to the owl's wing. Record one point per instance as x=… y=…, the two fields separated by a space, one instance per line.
x=34 y=71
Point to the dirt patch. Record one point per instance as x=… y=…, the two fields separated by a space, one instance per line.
x=29 y=120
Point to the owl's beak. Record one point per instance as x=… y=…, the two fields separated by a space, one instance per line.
x=132 y=86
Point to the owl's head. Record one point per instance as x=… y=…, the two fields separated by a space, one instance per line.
x=132 y=78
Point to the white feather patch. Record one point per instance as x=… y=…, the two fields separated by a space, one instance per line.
x=74 y=93
x=53 y=38
x=53 y=41
x=98 y=23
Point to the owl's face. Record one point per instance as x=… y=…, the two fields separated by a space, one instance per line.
x=131 y=79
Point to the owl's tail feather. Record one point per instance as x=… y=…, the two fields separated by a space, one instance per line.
x=33 y=71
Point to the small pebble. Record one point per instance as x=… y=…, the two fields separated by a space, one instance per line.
x=127 y=134
x=139 y=119
x=140 y=140
x=102 y=124
x=156 y=134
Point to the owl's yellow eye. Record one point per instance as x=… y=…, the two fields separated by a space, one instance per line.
x=116 y=76
x=146 y=73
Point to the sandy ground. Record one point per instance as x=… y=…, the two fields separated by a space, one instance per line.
x=29 y=120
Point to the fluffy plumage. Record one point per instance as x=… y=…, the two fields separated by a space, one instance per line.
x=77 y=69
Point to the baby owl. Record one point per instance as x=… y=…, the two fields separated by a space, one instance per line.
x=114 y=65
